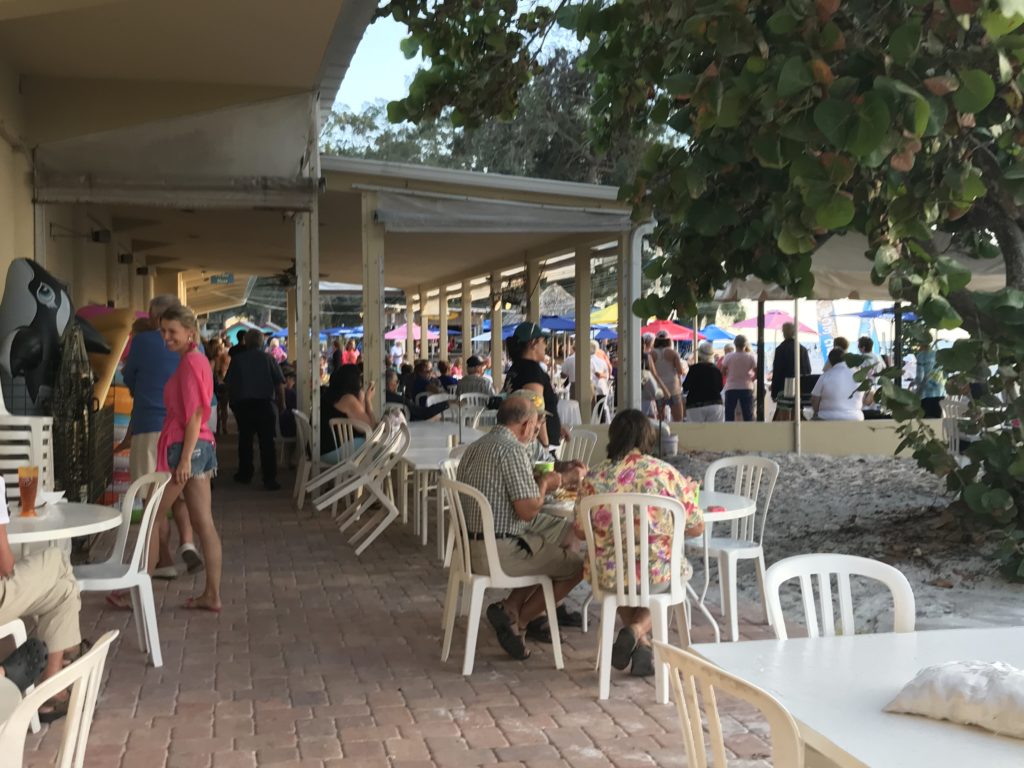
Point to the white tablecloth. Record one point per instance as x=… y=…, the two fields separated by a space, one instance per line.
x=569 y=413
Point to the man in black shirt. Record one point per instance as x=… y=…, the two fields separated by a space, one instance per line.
x=782 y=367
x=240 y=344
x=254 y=381
x=703 y=387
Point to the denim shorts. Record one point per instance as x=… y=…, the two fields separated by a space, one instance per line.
x=204 y=458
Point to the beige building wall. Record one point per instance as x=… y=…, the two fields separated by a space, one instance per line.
x=16 y=223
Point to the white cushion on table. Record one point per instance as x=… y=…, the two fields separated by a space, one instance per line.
x=986 y=694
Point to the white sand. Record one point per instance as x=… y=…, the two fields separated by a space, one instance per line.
x=884 y=508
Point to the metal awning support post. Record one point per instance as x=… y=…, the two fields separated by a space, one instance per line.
x=584 y=386
x=442 y=317
x=410 y=323
x=897 y=343
x=533 y=291
x=497 y=365
x=760 y=360
x=424 y=325
x=630 y=288
x=373 y=301
x=797 y=409
x=467 y=321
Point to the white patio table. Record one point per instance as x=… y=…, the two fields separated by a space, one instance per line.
x=837 y=687
x=569 y=413
x=424 y=463
x=61 y=521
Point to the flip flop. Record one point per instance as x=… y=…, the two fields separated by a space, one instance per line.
x=192 y=604
x=117 y=600
x=622 y=650
x=567 y=618
x=81 y=650
x=26 y=664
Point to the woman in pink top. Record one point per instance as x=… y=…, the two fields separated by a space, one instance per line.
x=740 y=370
x=186 y=447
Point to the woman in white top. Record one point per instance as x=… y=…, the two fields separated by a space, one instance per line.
x=837 y=395
x=667 y=366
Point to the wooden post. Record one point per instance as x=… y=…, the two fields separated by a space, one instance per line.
x=410 y=323
x=373 y=301
x=442 y=317
x=291 y=321
x=497 y=366
x=424 y=325
x=467 y=320
x=584 y=387
x=533 y=291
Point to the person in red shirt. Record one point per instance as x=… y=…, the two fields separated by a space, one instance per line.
x=351 y=355
x=186 y=447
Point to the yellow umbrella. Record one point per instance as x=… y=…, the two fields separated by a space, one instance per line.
x=607 y=316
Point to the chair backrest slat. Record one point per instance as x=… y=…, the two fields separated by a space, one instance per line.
x=824 y=566
x=151 y=487
x=755 y=479
x=580 y=446
x=687 y=673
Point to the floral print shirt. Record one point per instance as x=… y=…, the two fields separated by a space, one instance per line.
x=638 y=473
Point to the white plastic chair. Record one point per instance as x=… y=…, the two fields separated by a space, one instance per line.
x=461 y=576
x=485 y=419
x=603 y=411
x=400 y=407
x=688 y=673
x=370 y=473
x=282 y=443
x=25 y=440
x=629 y=509
x=755 y=480
x=16 y=630
x=83 y=676
x=823 y=566
x=580 y=446
x=133 y=574
x=449 y=414
x=309 y=465
x=478 y=399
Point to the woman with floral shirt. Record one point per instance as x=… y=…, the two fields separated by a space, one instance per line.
x=631 y=469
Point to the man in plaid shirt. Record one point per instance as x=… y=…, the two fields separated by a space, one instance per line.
x=500 y=467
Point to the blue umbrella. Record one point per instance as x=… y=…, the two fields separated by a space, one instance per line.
x=557 y=324
x=714 y=333
x=881 y=313
x=605 y=332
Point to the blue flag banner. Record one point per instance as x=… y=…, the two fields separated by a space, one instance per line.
x=826 y=326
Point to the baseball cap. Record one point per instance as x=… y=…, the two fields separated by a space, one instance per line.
x=526 y=332
x=474 y=362
x=662 y=334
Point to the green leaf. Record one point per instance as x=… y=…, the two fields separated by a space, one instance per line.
x=836 y=213
x=410 y=46
x=997 y=25
x=794 y=78
x=731 y=110
x=903 y=42
x=397 y=112
x=921 y=114
x=956 y=274
x=873 y=124
x=937 y=114
x=1014 y=172
x=781 y=23
x=939 y=313
x=835 y=118
x=768 y=151
x=976 y=91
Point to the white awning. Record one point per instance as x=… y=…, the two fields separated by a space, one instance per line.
x=842 y=271
x=428 y=213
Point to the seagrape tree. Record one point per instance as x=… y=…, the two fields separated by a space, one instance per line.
x=782 y=122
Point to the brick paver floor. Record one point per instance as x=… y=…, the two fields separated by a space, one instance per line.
x=324 y=659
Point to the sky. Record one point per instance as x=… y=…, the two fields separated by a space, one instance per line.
x=379 y=70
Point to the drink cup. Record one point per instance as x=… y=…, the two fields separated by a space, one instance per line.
x=541 y=468
x=28 y=484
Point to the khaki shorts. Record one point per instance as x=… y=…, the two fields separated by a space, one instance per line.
x=531 y=554
x=142 y=457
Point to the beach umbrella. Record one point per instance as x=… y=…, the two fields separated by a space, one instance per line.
x=607 y=316
x=676 y=332
x=773 y=321
x=506 y=332
x=401 y=333
x=557 y=324
x=605 y=333
x=885 y=313
x=714 y=333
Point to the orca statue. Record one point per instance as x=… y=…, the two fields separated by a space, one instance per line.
x=34 y=313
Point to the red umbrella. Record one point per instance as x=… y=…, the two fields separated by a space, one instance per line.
x=774 y=319
x=676 y=332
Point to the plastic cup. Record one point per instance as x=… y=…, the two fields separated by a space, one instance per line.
x=541 y=468
x=28 y=485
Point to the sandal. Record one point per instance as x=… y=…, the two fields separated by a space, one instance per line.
x=539 y=630
x=119 y=599
x=624 y=647
x=71 y=657
x=53 y=710
x=643 y=662
x=26 y=664
x=510 y=642
x=567 y=618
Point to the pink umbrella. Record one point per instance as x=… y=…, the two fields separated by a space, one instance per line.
x=774 y=319
x=676 y=332
x=400 y=333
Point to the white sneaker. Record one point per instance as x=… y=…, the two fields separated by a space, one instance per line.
x=188 y=553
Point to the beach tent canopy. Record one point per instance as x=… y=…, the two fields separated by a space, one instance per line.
x=607 y=316
x=841 y=271
x=506 y=331
x=676 y=332
x=605 y=333
x=557 y=324
x=885 y=313
x=714 y=333
x=400 y=334
x=774 y=319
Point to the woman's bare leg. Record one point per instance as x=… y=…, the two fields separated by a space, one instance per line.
x=197 y=497
x=181 y=520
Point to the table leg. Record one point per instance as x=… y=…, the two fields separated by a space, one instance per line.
x=425 y=495
x=403 y=491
